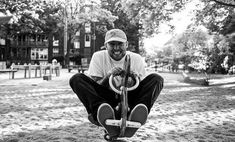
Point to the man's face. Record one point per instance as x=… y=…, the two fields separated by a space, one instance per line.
x=116 y=49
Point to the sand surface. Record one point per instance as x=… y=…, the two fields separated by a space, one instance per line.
x=35 y=110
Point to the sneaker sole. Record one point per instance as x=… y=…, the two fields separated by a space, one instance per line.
x=138 y=114
x=105 y=112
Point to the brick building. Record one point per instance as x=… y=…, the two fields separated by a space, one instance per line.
x=33 y=48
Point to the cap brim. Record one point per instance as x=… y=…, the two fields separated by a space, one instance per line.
x=116 y=39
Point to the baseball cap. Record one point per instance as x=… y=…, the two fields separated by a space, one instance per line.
x=115 y=35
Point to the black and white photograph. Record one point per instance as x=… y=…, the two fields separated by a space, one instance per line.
x=117 y=71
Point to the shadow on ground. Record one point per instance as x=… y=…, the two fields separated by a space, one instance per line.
x=183 y=112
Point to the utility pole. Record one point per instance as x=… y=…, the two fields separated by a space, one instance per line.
x=94 y=37
x=65 y=37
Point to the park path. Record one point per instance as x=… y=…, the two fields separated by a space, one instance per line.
x=34 y=110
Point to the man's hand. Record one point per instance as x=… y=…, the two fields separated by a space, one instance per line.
x=132 y=79
x=116 y=71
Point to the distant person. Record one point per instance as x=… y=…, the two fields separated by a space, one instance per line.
x=54 y=62
x=100 y=101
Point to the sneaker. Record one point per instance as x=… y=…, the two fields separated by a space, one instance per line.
x=105 y=111
x=92 y=120
x=138 y=114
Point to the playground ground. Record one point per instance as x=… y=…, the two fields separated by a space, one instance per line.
x=35 y=110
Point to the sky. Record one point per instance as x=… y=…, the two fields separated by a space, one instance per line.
x=180 y=20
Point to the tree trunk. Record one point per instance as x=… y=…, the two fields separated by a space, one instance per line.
x=68 y=50
x=50 y=47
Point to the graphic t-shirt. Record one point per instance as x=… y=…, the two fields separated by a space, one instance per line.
x=101 y=63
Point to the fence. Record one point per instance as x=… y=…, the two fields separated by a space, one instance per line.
x=39 y=70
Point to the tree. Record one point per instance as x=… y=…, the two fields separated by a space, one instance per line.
x=218 y=16
x=214 y=15
x=217 y=54
x=76 y=13
x=124 y=22
x=24 y=15
x=33 y=17
x=230 y=3
x=49 y=17
x=47 y=21
x=191 y=48
x=151 y=13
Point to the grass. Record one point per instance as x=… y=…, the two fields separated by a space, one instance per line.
x=210 y=76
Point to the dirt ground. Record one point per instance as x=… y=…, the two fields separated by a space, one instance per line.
x=35 y=110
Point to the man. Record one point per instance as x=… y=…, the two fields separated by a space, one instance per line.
x=100 y=101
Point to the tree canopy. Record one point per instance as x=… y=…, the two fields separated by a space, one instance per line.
x=43 y=16
x=216 y=15
x=151 y=13
x=136 y=17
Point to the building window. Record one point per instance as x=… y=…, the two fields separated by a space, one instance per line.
x=2 y=41
x=56 y=50
x=39 y=54
x=76 y=45
x=55 y=41
x=87 y=40
x=87 y=27
x=76 y=42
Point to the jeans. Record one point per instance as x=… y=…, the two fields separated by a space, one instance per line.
x=92 y=94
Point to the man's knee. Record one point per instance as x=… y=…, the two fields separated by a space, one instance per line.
x=76 y=79
x=158 y=86
x=157 y=78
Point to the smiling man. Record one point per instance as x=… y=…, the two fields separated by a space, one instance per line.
x=100 y=101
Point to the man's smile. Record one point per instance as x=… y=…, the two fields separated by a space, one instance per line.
x=117 y=52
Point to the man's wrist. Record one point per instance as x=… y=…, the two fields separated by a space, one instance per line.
x=109 y=73
x=107 y=76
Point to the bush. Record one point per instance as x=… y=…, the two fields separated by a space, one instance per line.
x=76 y=59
